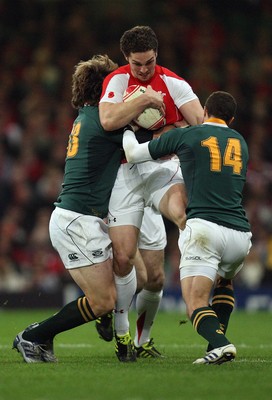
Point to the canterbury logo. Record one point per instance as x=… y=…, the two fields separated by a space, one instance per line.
x=219 y=331
x=73 y=256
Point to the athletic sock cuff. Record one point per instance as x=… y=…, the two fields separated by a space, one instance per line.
x=123 y=280
x=85 y=309
x=148 y=295
x=223 y=295
x=200 y=314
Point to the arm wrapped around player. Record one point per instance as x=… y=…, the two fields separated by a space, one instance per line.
x=135 y=152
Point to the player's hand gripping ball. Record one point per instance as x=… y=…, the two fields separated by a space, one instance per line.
x=150 y=118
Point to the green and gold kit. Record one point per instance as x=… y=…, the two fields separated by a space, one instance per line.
x=91 y=165
x=213 y=160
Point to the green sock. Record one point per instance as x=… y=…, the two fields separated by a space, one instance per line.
x=73 y=314
x=207 y=325
x=222 y=304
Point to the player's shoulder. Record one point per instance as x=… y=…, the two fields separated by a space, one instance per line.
x=238 y=135
x=192 y=128
x=167 y=72
x=190 y=134
x=178 y=133
x=119 y=72
x=88 y=117
x=235 y=132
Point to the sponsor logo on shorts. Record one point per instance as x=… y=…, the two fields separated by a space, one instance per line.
x=195 y=258
x=73 y=256
x=111 y=220
x=97 y=253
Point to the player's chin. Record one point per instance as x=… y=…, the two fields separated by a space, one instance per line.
x=144 y=78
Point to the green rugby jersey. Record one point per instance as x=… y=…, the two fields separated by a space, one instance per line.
x=91 y=165
x=213 y=161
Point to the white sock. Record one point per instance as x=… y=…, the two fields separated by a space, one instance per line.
x=126 y=288
x=147 y=305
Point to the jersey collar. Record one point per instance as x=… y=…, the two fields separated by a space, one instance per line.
x=215 y=121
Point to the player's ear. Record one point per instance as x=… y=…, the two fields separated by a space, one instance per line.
x=206 y=115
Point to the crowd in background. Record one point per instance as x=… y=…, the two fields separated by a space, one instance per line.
x=213 y=46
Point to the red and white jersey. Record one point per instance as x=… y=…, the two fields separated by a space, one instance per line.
x=175 y=89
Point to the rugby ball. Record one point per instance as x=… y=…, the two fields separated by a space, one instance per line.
x=150 y=118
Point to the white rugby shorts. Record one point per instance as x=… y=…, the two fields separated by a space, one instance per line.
x=81 y=240
x=208 y=249
x=152 y=233
x=127 y=207
x=158 y=176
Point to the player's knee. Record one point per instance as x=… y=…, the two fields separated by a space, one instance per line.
x=155 y=282
x=122 y=262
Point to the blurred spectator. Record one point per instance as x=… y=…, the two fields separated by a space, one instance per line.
x=212 y=46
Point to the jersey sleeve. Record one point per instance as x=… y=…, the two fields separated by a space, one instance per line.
x=135 y=152
x=180 y=90
x=114 y=86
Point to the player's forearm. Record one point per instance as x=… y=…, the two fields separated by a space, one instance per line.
x=135 y=152
x=116 y=115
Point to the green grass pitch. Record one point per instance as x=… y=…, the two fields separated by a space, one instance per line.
x=89 y=370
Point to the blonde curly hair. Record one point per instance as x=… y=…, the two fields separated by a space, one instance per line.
x=88 y=78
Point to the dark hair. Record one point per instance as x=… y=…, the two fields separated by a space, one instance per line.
x=88 y=78
x=221 y=105
x=138 y=40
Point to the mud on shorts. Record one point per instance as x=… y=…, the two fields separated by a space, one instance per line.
x=208 y=249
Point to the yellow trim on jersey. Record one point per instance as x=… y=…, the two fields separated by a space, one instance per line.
x=216 y=121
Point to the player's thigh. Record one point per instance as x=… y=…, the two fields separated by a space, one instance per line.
x=126 y=204
x=124 y=240
x=173 y=204
x=124 y=245
x=96 y=281
x=158 y=177
x=152 y=232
